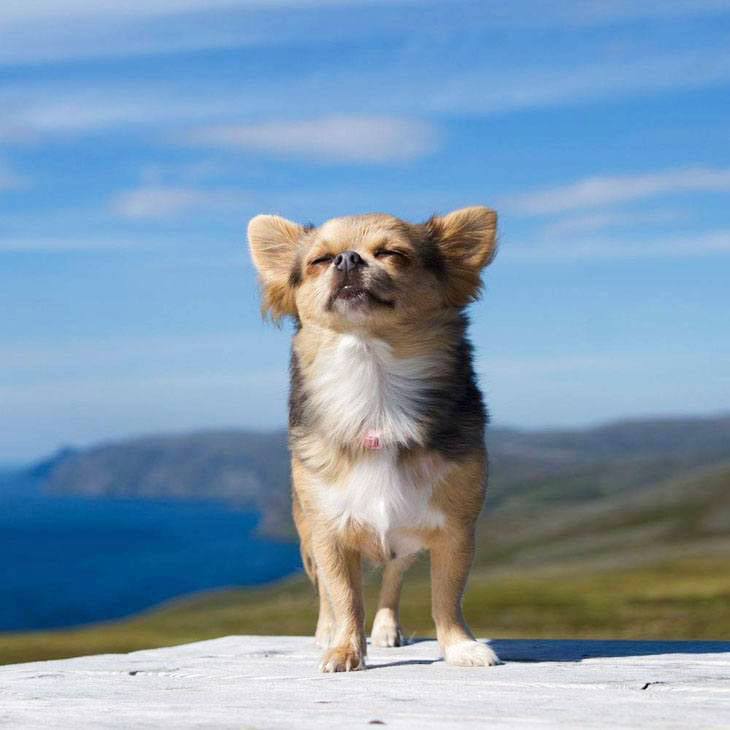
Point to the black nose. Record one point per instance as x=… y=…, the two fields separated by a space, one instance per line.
x=348 y=260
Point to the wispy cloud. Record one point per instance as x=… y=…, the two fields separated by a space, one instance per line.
x=31 y=11
x=82 y=243
x=149 y=202
x=592 y=192
x=685 y=246
x=610 y=219
x=16 y=12
x=227 y=116
x=579 y=13
x=332 y=138
x=353 y=138
x=45 y=30
x=29 y=113
x=491 y=91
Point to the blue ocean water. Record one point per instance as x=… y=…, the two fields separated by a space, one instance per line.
x=68 y=561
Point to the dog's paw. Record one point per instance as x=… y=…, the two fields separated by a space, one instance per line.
x=386 y=631
x=470 y=654
x=342 y=659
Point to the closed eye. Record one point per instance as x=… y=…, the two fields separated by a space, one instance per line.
x=321 y=260
x=384 y=253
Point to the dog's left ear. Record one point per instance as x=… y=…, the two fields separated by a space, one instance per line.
x=466 y=240
x=273 y=242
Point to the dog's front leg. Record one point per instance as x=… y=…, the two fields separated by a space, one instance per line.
x=340 y=572
x=452 y=553
x=326 y=621
x=386 y=626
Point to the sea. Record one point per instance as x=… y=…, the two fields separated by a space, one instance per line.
x=67 y=561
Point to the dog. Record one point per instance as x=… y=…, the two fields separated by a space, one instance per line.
x=386 y=421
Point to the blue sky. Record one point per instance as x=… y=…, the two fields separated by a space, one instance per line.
x=137 y=139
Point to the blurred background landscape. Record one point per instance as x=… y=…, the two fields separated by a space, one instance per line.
x=144 y=496
x=617 y=531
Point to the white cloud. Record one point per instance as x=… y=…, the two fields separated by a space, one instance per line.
x=677 y=246
x=167 y=202
x=155 y=202
x=490 y=91
x=14 y=12
x=591 y=222
x=332 y=138
x=48 y=30
x=29 y=113
x=581 y=13
x=84 y=243
x=597 y=191
x=399 y=95
x=337 y=138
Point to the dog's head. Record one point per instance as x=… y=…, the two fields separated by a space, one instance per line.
x=371 y=269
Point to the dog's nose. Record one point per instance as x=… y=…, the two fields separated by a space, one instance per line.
x=348 y=260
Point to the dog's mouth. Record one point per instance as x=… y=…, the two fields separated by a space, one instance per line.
x=356 y=295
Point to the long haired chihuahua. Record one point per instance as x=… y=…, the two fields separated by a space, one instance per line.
x=386 y=420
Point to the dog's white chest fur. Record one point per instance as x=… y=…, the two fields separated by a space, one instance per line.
x=361 y=387
x=386 y=497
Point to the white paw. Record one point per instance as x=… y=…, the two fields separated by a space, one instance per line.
x=470 y=654
x=386 y=631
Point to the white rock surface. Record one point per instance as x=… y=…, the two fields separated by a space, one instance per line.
x=273 y=682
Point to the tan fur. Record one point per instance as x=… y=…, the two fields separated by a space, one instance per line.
x=417 y=329
x=276 y=242
x=468 y=240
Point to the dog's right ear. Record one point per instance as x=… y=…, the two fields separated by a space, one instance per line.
x=467 y=241
x=274 y=242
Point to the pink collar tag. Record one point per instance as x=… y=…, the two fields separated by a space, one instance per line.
x=372 y=441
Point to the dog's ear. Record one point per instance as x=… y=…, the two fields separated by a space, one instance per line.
x=273 y=242
x=466 y=240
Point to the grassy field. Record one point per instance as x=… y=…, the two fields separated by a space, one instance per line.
x=653 y=563
x=688 y=598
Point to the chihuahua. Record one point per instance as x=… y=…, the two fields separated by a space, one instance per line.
x=386 y=421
